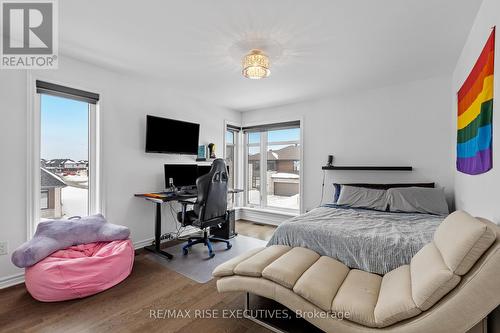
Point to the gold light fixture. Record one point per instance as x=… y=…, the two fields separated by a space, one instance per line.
x=256 y=65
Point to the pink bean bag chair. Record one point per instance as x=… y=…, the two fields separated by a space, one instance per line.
x=80 y=270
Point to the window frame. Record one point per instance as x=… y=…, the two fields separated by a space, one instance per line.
x=263 y=144
x=95 y=203
x=246 y=172
x=235 y=153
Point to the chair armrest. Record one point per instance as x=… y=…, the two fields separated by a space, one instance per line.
x=184 y=204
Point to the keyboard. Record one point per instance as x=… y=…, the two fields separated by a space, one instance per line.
x=187 y=192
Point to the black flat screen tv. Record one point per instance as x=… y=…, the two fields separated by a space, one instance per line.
x=171 y=136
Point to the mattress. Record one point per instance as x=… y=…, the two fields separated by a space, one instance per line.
x=369 y=240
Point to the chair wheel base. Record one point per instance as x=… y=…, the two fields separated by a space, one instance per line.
x=205 y=240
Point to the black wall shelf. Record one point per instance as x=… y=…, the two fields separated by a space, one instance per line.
x=368 y=168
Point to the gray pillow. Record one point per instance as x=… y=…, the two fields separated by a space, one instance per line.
x=417 y=199
x=362 y=197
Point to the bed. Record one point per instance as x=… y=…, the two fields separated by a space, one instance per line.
x=373 y=241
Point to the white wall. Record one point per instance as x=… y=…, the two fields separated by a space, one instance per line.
x=479 y=195
x=127 y=169
x=399 y=125
x=13 y=137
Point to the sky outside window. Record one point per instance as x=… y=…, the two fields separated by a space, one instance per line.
x=64 y=128
x=289 y=134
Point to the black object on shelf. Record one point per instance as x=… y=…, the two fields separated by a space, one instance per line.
x=368 y=168
x=330 y=161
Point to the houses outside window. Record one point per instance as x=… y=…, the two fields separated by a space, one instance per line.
x=273 y=177
x=51 y=187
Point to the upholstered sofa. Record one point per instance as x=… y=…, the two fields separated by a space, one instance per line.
x=450 y=284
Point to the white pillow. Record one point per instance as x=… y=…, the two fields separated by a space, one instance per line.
x=362 y=197
x=417 y=199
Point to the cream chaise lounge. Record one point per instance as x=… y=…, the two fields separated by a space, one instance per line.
x=450 y=285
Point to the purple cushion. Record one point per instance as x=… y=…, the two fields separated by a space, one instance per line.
x=53 y=235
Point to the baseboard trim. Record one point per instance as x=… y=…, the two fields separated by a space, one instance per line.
x=263 y=216
x=11 y=280
x=142 y=243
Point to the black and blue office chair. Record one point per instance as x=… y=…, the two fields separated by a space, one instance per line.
x=210 y=208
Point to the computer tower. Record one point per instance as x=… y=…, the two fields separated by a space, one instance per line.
x=227 y=229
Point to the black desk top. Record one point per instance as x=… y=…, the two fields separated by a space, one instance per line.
x=170 y=196
x=164 y=197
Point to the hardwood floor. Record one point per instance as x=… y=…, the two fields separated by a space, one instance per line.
x=128 y=307
x=256 y=230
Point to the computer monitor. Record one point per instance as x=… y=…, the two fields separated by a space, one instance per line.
x=182 y=175
x=204 y=169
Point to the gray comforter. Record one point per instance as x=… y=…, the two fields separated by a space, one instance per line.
x=369 y=240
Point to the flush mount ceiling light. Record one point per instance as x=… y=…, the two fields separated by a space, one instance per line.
x=256 y=65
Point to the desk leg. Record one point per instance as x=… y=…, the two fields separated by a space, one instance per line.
x=156 y=248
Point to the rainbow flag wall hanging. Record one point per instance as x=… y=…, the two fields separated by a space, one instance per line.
x=475 y=114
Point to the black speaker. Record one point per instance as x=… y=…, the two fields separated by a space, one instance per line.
x=330 y=160
x=228 y=229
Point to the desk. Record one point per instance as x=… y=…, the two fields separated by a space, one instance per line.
x=155 y=248
x=233 y=192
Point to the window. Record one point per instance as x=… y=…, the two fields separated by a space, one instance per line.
x=65 y=153
x=296 y=166
x=64 y=141
x=273 y=177
x=231 y=154
x=44 y=199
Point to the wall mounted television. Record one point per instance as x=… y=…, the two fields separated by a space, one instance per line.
x=170 y=136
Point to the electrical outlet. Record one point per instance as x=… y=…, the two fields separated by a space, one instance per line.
x=4 y=248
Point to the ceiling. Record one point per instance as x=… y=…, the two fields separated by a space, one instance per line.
x=317 y=47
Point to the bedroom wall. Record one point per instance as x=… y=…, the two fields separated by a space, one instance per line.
x=396 y=125
x=127 y=169
x=13 y=164
x=479 y=194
